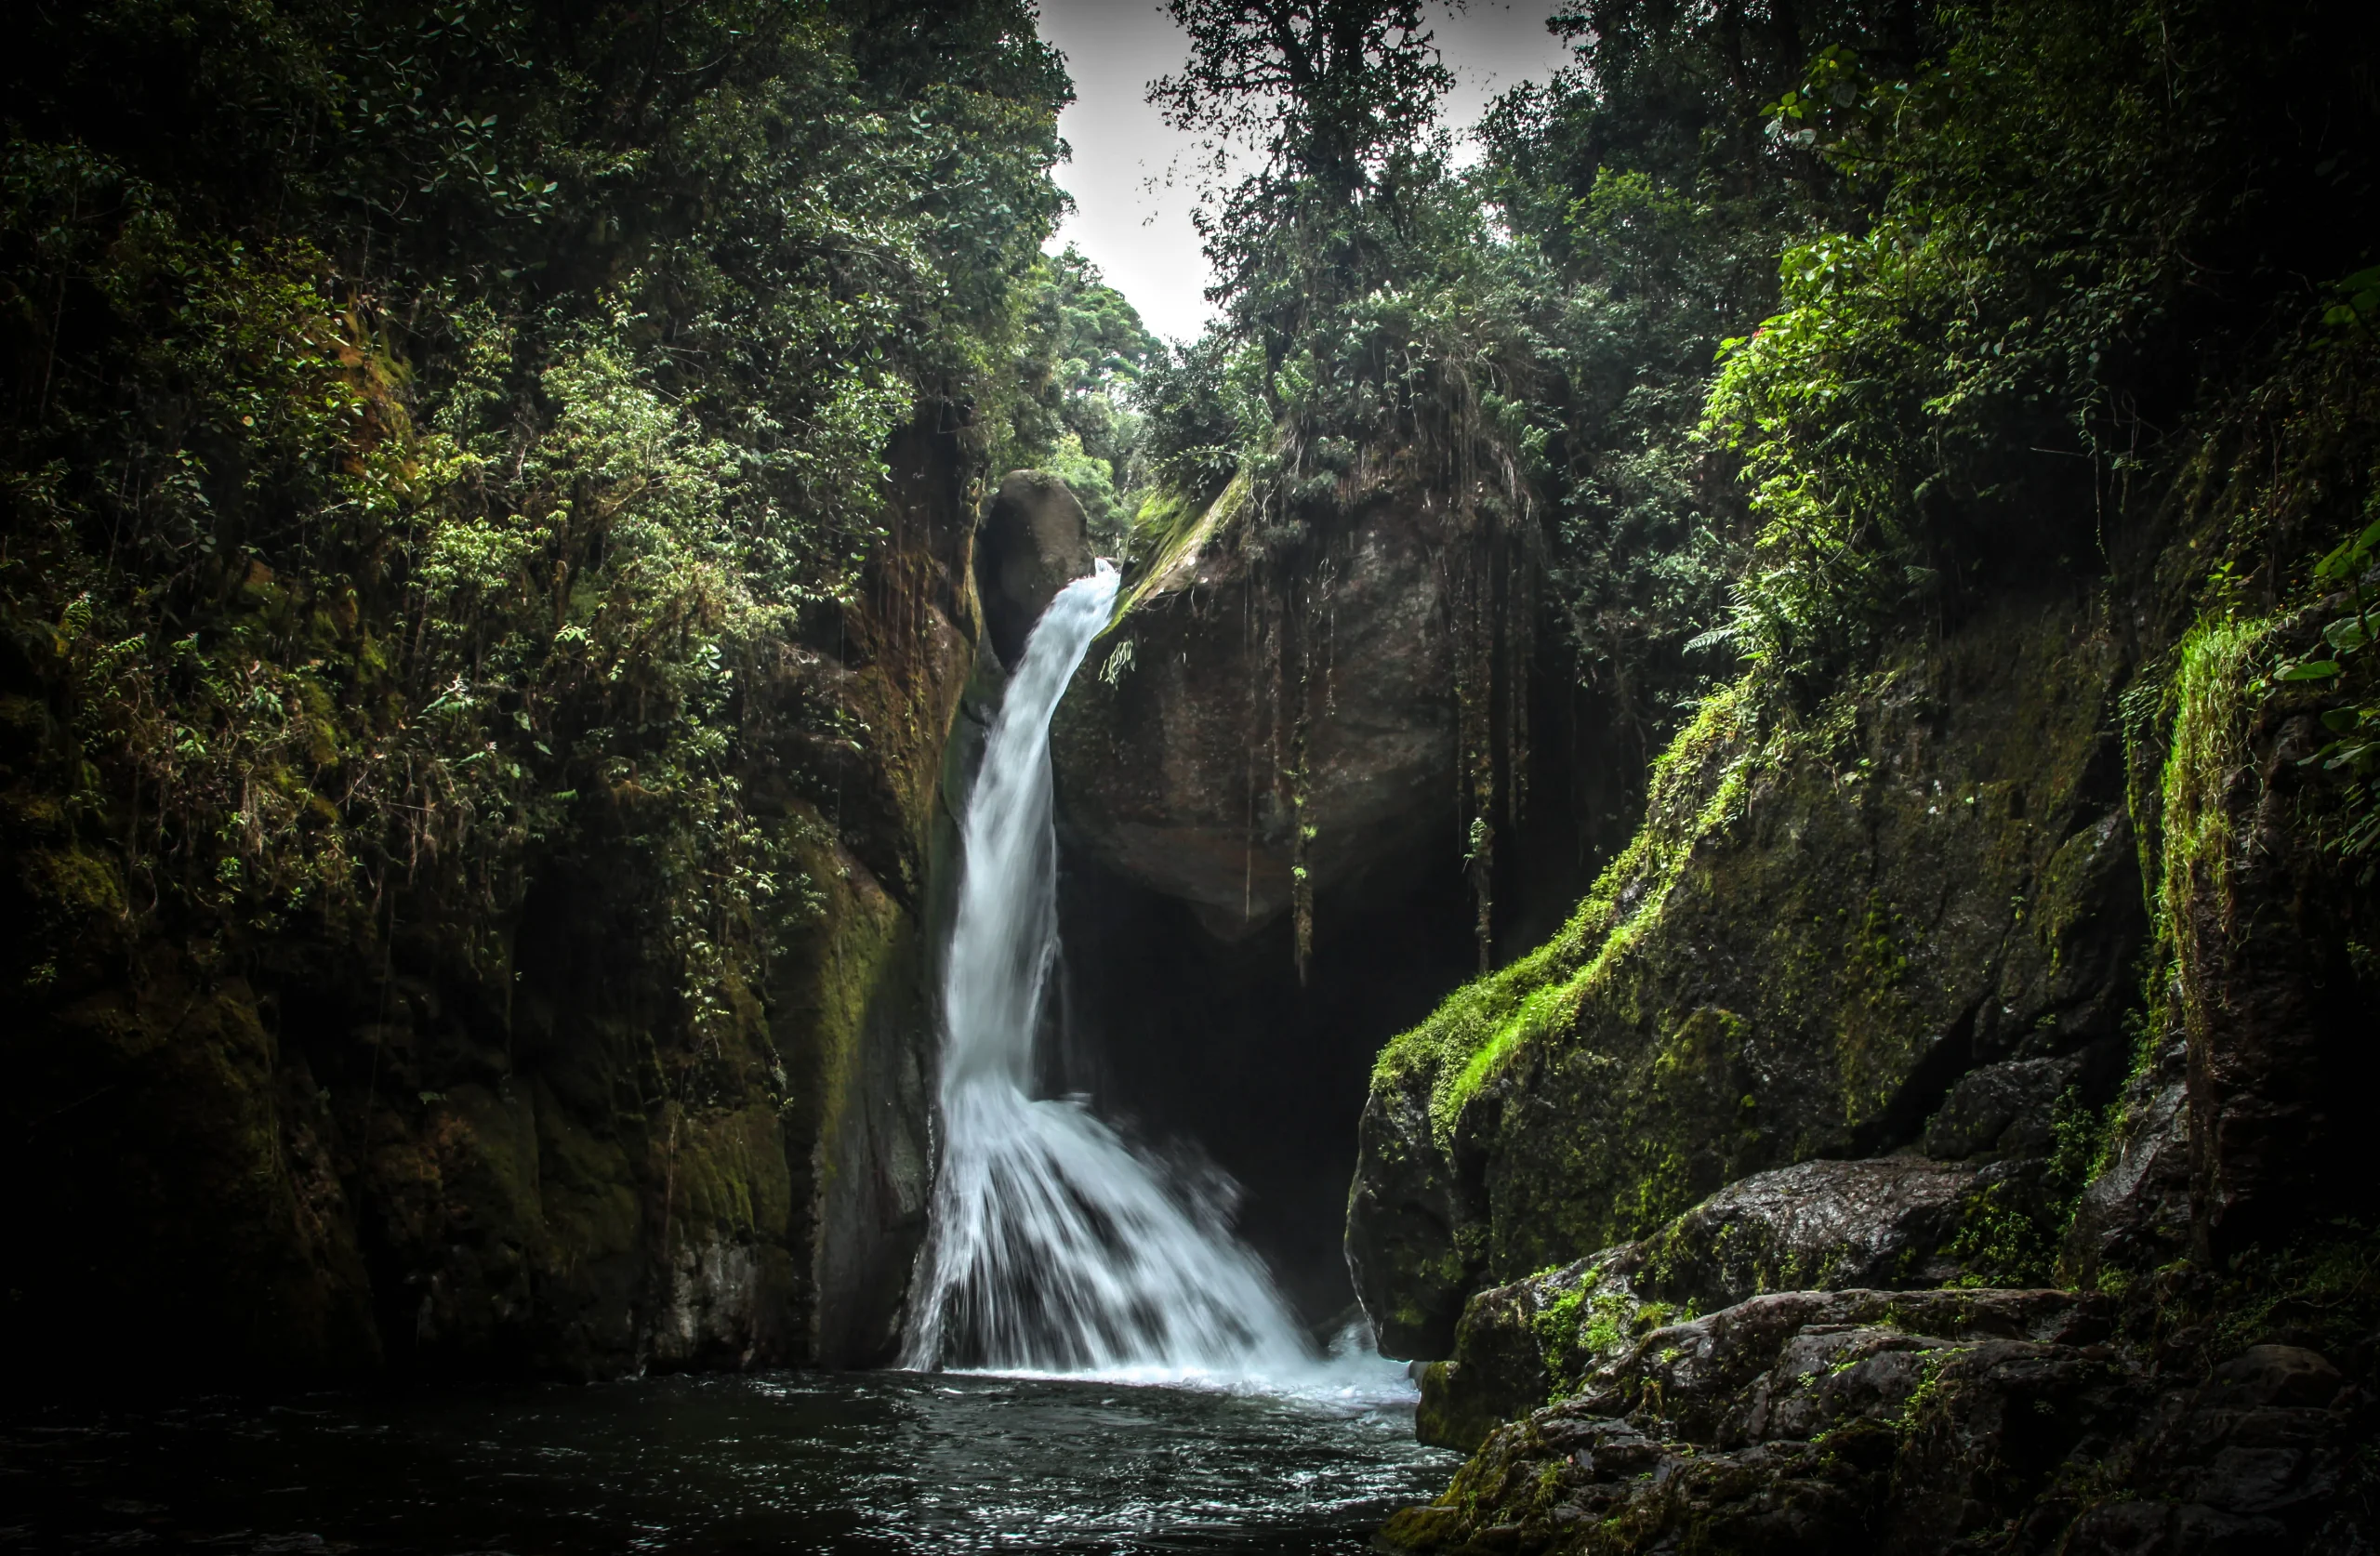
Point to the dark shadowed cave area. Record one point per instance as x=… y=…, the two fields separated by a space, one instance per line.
x=1193 y=1044
x=1214 y=1051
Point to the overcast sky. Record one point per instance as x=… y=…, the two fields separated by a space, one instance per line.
x=1139 y=234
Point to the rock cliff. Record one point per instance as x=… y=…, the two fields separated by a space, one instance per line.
x=1214 y=721
x=2021 y=959
x=1833 y=914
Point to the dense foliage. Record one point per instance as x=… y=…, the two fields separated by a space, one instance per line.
x=425 y=417
x=1766 y=333
x=1085 y=349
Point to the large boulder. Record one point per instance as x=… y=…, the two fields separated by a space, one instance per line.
x=1817 y=1226
x=1033 y=542
x=1171 y=747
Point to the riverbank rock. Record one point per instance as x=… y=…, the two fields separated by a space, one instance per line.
x=1033 y=542
x=1816 y=1226
x=1911 y=1422
x=1780 y=1424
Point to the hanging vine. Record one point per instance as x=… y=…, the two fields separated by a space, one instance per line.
x=1406 y=415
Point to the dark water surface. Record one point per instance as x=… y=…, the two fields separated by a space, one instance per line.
x=890 y=1462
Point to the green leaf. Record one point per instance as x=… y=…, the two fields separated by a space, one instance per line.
x=2341 y=720
x=2346 y=634
x=2319 y=669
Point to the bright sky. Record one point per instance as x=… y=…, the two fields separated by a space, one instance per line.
x=1137 y=231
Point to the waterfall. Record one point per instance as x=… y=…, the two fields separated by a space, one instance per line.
x=1055 y=1246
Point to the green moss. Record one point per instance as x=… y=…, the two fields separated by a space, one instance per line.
x=2187 y=836
x=1874 y=1042
x=78 y=881
x=1584 y=1327
x=1482 y=1025
x=2324 y=1285
x=730 y=1176
x=2001 y=1242
x=838 y=991
x=2214 y=673
x=2007 y=1236
x=1170 y=528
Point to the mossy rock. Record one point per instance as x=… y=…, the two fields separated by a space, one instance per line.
x=1819 y=1226
x=1829 y=915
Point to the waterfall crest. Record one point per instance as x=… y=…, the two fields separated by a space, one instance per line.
x=1057 y=1248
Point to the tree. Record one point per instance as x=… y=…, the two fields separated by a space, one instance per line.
x=1327 y=93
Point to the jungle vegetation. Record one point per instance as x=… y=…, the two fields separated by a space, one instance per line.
x=421 y=418
x=1766 y=333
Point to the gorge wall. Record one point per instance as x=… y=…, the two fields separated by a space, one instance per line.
x=487 y=583
x=1835 y=917
x=1935 y=1128
x=493 y=1136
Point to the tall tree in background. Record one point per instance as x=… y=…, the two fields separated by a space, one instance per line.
x=1333 y=98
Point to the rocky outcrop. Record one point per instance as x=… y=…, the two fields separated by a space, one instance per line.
x=1865 y=1421
x=1819 y=1226
x=1032 y=543
x=1169 y=749
x=1832 y=916
x=2272 y=933
x=2205 y=1384
x=2239 y=1134
x=489 y=1134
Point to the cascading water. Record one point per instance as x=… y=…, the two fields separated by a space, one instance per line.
x=1055 y=1248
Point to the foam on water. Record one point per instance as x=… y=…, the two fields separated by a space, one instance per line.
x=1057 y=1250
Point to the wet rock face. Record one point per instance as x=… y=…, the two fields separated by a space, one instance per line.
x=2279 y=986
x=1168 y=746
x=1915 y=1422
x=2002 y=1109
x=1928 y=877
x=1405 y=1212
x=1032 y=543
x=1817 y=1226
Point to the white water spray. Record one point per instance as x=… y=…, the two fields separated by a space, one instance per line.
x=1055 y=1248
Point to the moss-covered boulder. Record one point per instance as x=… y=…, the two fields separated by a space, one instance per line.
x=1914 y=1422
x=1819 y=1226
x=1800 y=1422
x=1833 y=913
